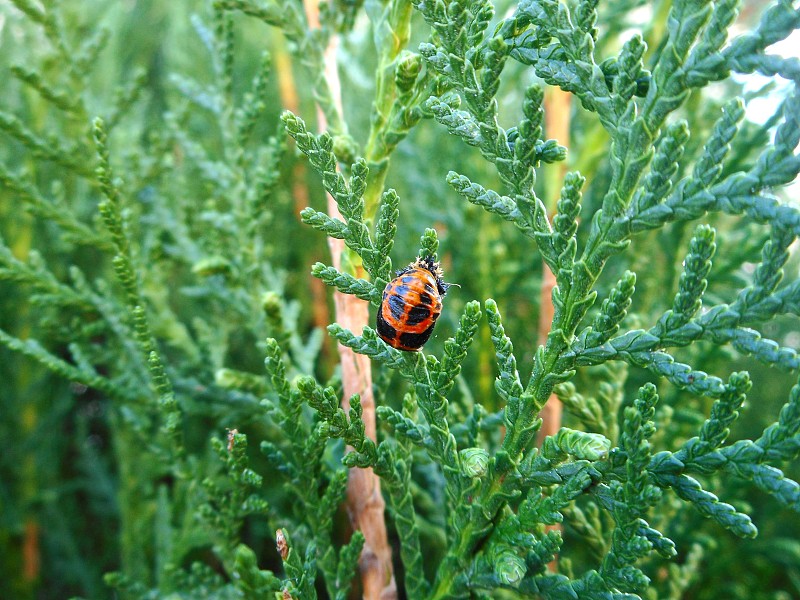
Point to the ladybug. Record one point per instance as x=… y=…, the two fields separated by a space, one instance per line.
x=411 y=303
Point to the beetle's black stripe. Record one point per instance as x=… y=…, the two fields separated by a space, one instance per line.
x=386 y=331
x=417 y=315
x=397 y=304
x=415 y=340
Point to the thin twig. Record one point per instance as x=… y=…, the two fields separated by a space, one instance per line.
x=364 y=500
x=557 y=117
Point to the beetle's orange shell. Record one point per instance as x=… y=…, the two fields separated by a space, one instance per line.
x=412 y=302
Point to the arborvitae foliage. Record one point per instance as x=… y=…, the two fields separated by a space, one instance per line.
x=171 y=401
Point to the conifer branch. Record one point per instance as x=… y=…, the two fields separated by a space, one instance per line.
x=476 y=474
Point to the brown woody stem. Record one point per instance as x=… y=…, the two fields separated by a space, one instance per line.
x=557 y=117
x=365 y=503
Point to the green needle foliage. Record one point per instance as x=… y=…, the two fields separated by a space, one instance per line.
x=170 y=391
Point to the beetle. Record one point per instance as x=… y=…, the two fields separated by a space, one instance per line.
x=411 y=303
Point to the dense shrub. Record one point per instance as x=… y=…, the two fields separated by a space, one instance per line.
x=187 y=411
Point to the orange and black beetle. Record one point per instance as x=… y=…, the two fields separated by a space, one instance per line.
x=411 y=303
